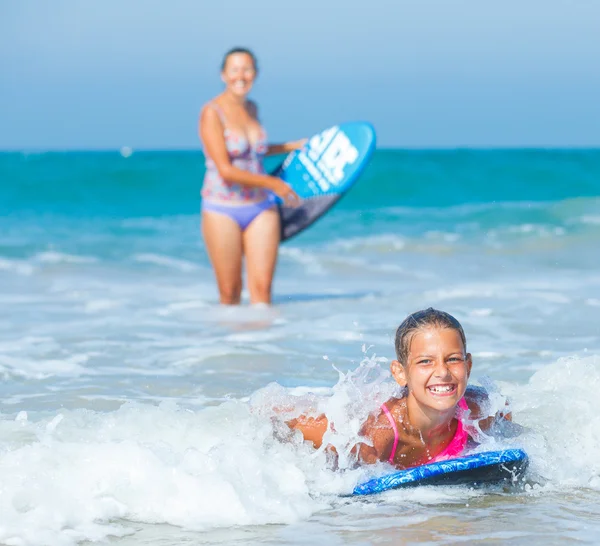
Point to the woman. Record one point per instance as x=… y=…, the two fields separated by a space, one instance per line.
x=239 y=212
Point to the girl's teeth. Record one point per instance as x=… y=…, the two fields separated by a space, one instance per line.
x=441 y=389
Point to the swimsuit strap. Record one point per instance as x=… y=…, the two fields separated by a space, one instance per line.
x=456 y=445
x=395 y=428
x=214 y=106
x=459 y=441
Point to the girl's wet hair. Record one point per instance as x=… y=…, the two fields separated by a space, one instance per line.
x=235 y=50
x=427 y=318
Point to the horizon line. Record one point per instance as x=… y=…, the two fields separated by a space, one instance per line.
x=127 y=151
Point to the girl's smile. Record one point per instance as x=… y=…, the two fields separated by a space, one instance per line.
x=442 y=389
x=436 y=372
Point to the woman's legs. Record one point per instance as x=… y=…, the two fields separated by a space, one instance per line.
x=261 y=242
x=223 y=239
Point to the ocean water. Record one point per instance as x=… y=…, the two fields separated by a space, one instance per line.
x=135 y=410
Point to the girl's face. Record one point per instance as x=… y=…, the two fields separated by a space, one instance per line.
x=437 y=368
x=239 y=74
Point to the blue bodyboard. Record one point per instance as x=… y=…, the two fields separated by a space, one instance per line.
x=323 y=171
x=505 y=466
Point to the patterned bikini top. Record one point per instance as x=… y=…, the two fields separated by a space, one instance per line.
x=243 y=154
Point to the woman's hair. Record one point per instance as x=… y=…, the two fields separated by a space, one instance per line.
x=420 y=320
x=235 y=50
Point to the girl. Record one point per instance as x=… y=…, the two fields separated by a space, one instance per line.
x=428 y=422
x=239 y=213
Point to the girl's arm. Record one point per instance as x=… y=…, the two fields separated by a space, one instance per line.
x=477 y=399
x=374 y=430
x=211 y=133
x=312 y=428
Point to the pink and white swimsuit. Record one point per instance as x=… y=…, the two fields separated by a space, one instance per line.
x=243 y=154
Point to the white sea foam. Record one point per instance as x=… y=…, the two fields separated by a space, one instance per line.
x=52 y=257
x=444 y=236
x=537 y=230
x=472 y=291
x=561 y=409
x=95 y=306
x=309 y=260
x=182 y=306
x=99 y=474
x=381 y=243
x=16 y=266
x=483 y=312
x=220 y=467
x=173 y=263
x=72 y=366
x=488 y=354
x=590 y=219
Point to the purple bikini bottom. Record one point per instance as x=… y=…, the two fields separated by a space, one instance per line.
x=242 y=214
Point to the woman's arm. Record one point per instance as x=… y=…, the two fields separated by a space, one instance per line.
x=286 y=147
x=211 y=133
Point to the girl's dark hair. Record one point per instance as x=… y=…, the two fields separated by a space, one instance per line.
x=235 y=50
x=428 y=318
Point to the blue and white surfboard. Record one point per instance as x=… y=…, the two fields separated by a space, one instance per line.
x=505 y=466
x=323 y=170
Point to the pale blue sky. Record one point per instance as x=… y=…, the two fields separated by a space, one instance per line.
x=427 y=73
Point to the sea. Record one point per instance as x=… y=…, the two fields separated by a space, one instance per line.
x=135 y=410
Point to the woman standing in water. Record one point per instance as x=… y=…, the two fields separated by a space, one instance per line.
x=239 y=212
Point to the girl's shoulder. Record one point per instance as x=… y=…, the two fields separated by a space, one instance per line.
x=477 y=400
x=379 y=431
x=393 y=404
x=475 y=392
x=381 y=416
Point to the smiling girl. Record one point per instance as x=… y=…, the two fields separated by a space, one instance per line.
x=427 y=423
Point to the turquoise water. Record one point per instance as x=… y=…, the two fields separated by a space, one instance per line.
x=125 y=386
x=167 y=183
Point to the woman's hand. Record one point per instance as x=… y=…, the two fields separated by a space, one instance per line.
x=297 y=144
x=289 y=196
x=286 y=147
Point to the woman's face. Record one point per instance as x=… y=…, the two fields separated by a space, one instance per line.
x=239 y=74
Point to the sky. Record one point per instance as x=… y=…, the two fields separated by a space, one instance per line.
x=426 y=73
